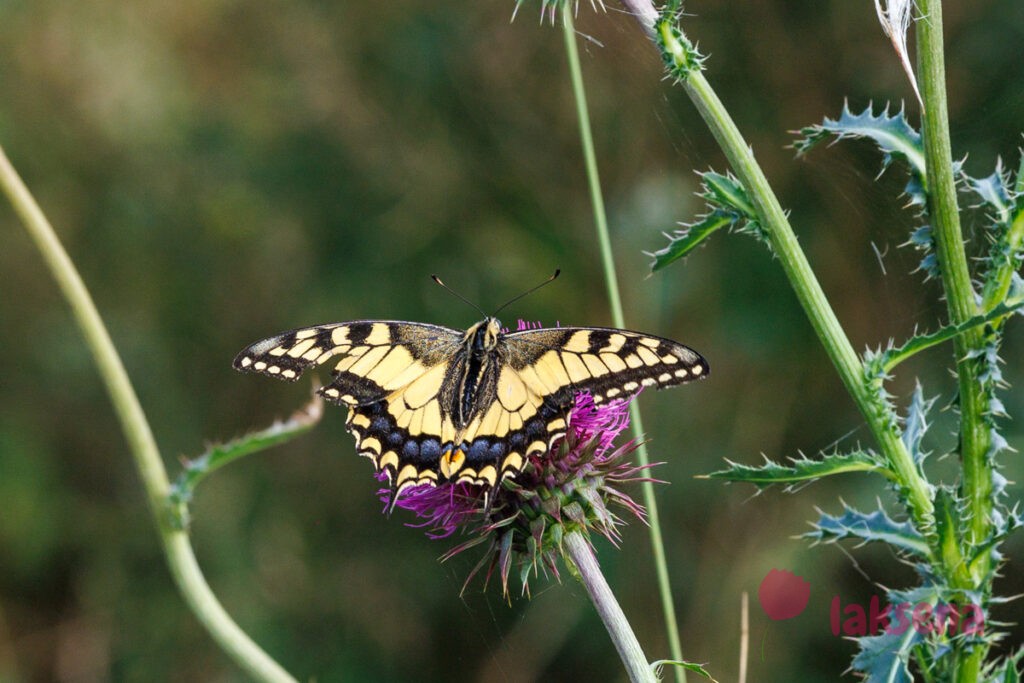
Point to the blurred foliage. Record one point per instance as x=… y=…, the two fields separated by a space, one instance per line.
x=223 y=170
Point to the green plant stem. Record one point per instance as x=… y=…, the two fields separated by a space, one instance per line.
x=577 y=550
x=178 y=551
x=808 y=291
x=944 y=214
x=956 y=279
x=611 y=280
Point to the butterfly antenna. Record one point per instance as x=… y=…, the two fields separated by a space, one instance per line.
x=529 y=291
x=457 y=295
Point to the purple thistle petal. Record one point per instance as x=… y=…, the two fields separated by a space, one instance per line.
x=443 y=509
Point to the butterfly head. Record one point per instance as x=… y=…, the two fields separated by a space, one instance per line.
x=483 y=337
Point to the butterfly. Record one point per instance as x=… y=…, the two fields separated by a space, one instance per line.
x=429 y=404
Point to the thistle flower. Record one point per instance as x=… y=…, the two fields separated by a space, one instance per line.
x=573 y=487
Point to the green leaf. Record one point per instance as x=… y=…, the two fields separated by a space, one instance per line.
x=947 y=527
x=897 y=140
x=995 y=193
x=801 y=469
x=684 y=241
x=219 y=455
x=728 y=207
x=893 y=136
x=874 y=527
x=689 y=666
x=893 y=356
x=916 y=424
x=1003 y=524
x=1005 y=199
x=726 y=192
x=885 y=658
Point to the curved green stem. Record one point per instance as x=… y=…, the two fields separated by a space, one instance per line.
x=142 y=445
x=608 y=262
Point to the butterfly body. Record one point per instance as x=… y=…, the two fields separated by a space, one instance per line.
x=430 y=404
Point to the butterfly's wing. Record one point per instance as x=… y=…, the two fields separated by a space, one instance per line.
x=605 y=362
x=553 y=365
x=369 y=358
x=393 y=377
x=388 y=373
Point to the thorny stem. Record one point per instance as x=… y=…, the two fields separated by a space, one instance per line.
x=608 y=262
x=975 y=437
x=956 y=278
x=180 y=556
x=808 y=291
x=577 y=550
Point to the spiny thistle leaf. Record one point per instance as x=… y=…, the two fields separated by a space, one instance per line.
x=995 y=193
x=893 y=135
x=874 y=375
x=922 y=241
x=897 y=140
x=684 y=241
x=947 y=524
x=885 y=658
x=1005 y=201
x=727 y=192
x=916 y=424
x=1003 y=524
x=801 y=469
x=728 y=207
x=927 y=621
x=885 y=361
x=874 y=527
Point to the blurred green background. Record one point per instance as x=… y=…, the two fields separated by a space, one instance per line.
x=223 y=170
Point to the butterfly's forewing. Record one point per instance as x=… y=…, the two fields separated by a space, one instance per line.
x=369 y=359
x=388 y=374
x=541 y=371
x=606 y=362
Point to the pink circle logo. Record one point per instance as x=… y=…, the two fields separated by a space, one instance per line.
x=783 y=594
